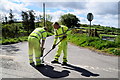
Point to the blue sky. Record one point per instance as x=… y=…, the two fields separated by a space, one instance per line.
x=105 y=12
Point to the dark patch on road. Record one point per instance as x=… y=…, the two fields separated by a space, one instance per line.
x=10 y=49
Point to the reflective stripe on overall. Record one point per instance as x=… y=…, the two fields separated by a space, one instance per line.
x=62 y=45
x=34 y=44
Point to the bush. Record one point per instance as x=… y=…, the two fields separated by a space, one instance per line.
x=13 y=30
x=114 y=51
x=13 y=40
x=117 y=41
x=84 y=41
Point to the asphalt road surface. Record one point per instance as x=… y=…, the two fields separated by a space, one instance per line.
x=82 y=63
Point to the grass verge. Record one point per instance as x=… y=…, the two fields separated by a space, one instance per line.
x=13 y=40
x=111 y=47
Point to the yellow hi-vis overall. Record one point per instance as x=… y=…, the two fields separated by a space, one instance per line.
x=59 y=33
x=34 y=44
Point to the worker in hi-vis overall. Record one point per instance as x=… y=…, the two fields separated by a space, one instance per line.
x=60 y=32
x=35 y=45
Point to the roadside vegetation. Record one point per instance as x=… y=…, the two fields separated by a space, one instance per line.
x=112 y=47
x=103 y=38
x=13 y=40
x=17 y=31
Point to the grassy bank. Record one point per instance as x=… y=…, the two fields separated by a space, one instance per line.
x=112 y=47
x=13 y=40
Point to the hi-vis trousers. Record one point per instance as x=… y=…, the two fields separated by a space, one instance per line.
x=62 y=47
x=34 y=48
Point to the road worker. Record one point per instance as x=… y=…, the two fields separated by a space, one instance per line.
x=60 y=33
x=35 y=45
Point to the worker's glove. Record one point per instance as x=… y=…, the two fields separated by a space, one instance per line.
x=53 y=46
x=64 y=37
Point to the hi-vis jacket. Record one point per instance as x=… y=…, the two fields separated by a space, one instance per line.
x=40 y=33
x=59 y=33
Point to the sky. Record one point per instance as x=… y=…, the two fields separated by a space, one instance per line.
x=105 y=12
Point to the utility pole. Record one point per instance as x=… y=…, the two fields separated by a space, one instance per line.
x=44 y=13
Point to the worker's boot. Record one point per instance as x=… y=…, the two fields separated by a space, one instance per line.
x=41 y=65
x=54 y=61
x=64 y=63
x=32 y=64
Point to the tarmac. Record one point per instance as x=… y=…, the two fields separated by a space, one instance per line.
x=82 y=63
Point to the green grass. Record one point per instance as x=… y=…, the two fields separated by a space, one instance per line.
x=88 y=27
x=95 y=42
x=13 y=40
x=113 y=36
x=107 y=35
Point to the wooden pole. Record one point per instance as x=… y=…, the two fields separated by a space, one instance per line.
x=44 y=13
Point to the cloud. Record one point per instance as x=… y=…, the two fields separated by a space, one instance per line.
x=56 y=9
x=56 y=15
x=61 y=5
x=66 y=0
x=105 y=13
x=108 y=20
x=103 y=8
x=7 y=5
x=72 y=5
x=16 y=8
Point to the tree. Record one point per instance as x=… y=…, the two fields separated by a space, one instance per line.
x=28 y=20
x=49 y=26
x=69 y=20
x=47 y=21
x=38 y=18
x=25 y=20
x=11 y=16
x=9 y=31
x=5 y=19
x=31 y=19
x=48 y=17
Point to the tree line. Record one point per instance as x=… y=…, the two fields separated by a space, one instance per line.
x=12 y=28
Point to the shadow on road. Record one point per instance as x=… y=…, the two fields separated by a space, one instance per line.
x=83 y=72
x=49 y=71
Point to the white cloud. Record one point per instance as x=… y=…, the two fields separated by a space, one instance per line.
x=16 y=8
x=105 y=12
x=37 y=13
x=62 y=5
x=56 y=15
x=7 y=5
x=67 y=0
x=107 y=20
x=103 y=8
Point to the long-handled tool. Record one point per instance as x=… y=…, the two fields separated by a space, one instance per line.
x=50 y=51
x=42 y=51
